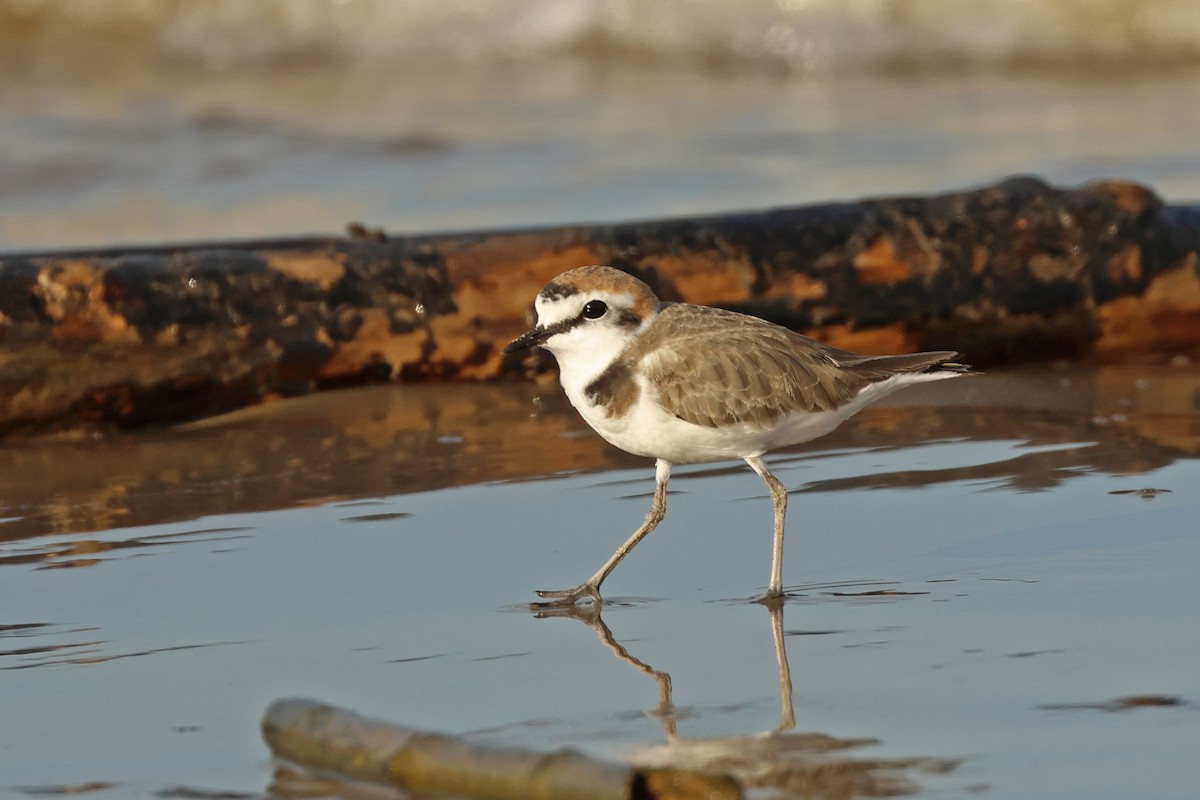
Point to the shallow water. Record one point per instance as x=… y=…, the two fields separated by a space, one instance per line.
x=971 y=584
x=104 y=159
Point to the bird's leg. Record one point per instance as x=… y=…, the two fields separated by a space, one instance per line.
x=591 y=587
x=779 y=502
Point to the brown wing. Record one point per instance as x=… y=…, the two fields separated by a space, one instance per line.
x=715 y=367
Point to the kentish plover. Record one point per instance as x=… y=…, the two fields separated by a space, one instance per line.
x=683 y=384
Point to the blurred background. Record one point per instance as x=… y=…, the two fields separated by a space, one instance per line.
x=142 y=121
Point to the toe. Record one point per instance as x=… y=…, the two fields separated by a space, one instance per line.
x=562 y=597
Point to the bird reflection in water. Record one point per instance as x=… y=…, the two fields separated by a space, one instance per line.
x=799 y=764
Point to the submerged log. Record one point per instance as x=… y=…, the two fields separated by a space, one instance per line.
x=1020 y=271
x=331 y=740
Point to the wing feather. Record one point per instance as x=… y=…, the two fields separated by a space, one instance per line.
x=713 y=367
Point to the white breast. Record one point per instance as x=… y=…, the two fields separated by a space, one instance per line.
x=647 y=430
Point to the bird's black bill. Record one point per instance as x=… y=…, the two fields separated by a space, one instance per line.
x=527 y=340
x=540 y=334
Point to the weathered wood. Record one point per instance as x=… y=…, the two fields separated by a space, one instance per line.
x=332 y=740
x=1020 y=271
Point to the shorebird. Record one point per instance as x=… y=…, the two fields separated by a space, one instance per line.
x=683 y=383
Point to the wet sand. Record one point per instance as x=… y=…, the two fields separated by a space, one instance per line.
x=983 y=595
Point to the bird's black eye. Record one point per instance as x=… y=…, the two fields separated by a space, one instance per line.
x=595 y=309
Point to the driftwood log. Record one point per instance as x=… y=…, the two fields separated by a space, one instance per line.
x=1020 y=271
x=334 y=741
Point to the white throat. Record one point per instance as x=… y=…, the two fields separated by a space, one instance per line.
x=585 y=351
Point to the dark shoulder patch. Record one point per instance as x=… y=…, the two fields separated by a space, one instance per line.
x=615 y=389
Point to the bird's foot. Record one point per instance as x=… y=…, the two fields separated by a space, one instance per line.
x=568 y=597
x=774 y=598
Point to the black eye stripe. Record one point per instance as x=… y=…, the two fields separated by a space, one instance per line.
x=625 y=318
x=561 y=327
